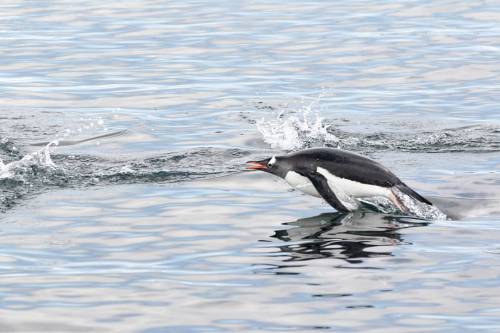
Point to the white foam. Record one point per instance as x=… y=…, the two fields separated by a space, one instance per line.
x=290 y=131
x=420 y=209
x=3 y=168
x=415 y=208
x=20 y=170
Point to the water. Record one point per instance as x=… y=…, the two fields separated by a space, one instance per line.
x=152 y=226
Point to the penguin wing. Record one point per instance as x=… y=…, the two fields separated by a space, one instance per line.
x=411 y=193
x=321 y=184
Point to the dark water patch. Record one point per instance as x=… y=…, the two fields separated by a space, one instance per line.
x=8 y=150
x=166 y=167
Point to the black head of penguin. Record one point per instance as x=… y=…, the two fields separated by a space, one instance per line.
x=276 y=165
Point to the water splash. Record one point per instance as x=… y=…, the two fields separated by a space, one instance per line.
x=420 y=209
x=3 y=168
x=34 y=166
x=298 y=130
x=28 y=174
x=414 y=207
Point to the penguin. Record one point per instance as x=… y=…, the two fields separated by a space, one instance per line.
x=340 y=177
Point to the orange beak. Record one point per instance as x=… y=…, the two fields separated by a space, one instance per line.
x=253 y=165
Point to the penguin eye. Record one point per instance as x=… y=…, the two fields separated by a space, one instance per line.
x=271 y=162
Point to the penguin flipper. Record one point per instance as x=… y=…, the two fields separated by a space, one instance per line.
x=411 y=193
x=321 y=184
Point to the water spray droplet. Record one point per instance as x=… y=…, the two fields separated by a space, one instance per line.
x=291 y=131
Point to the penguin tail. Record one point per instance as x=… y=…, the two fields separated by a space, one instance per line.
x=411 y=193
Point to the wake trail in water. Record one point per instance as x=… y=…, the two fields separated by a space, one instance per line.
x=303 y=128
x=44 y=169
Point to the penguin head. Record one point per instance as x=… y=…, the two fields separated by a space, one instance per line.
x=276 y=165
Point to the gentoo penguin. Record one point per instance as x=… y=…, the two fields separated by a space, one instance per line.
x=341 y=178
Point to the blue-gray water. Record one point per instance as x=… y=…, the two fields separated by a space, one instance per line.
x=157 y=229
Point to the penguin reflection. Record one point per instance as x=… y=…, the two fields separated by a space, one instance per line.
x=343 y=236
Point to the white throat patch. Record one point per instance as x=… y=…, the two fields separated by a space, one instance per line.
x=273 y=160
x=301 y=183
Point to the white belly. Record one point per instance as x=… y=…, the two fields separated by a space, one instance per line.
x=348 y=187
x=301 y=183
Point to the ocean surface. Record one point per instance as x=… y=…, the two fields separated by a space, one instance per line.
x=124 y=131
